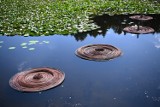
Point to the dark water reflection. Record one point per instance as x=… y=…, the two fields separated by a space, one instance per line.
x=132 y=80
x=118 y=23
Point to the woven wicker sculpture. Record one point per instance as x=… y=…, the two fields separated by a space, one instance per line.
x=37 y=79
x=141 y=17
x=98 y=52
x=138 y=29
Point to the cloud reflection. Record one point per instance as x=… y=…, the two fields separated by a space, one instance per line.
x=157 y=43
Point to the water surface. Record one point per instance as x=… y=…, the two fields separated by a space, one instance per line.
x=131 y=80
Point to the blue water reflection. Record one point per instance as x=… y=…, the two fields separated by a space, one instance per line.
x=131 y=80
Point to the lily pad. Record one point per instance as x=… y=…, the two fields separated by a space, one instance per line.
x=31 y=49
x=40 y=18
x=24 y=47
x=123 y=23
x=23 y=44
x=33 y=42
x=11 y=48
x=26 y=35
x=46 y=42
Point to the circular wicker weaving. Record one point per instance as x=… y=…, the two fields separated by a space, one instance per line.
x=141 y=17
x=37 y=79
x=98 y=52
x=138 y=29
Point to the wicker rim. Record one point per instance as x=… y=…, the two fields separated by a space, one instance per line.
x=37 y=79
x=100 y=52
x=139 y=30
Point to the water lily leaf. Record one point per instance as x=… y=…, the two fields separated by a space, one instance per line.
x=31 y=49
x=26 y=35
x=33 y=41
x=24 y=47
x=23 y=44
x=11 y=48
x=130 y=23
x=123 y=23
x=46 y=42
x=47 y=17
x=99 y=31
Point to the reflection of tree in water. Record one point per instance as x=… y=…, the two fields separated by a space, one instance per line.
x=118 y=23
x=94 y=33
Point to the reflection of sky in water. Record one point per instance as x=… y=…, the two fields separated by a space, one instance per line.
x=157 y=41
x=131 y=80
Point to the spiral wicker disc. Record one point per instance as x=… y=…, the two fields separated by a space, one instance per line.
x=141 y=17
x=98 y=52
x=37 y=79
x=138 y=30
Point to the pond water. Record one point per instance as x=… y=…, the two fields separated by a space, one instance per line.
x=131 y=80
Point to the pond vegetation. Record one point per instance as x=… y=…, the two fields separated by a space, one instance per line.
x=47 y=17
x=29 y=45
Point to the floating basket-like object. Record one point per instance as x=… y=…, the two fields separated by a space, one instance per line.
x=98 y=52
x=37 y=79
x=138 y=29
x=141 y=17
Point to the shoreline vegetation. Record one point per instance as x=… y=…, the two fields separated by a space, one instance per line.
x=49 y=17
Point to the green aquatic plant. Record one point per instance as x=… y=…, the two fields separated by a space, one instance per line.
x=23 y=44
x=46 y=17
x=32 y=42
x=24 y=47
x=31 y=49
x=12 y=48
x=45 y=42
